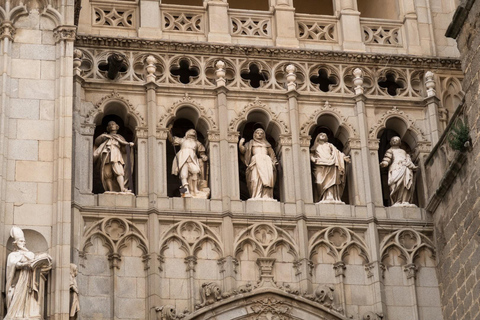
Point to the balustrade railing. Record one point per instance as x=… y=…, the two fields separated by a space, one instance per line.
x=180 y=19
x=382 y=32
x=245 y=23
x=316 y=29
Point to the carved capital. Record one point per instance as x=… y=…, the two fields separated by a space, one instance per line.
x=114 y=259
x=7 y=30
x=265 y=266
x=191 y=261
x=142 y=133
x=373 y=144
x=233 y=136
x=65 y=33
x=213 y=136
x=87 y=129
x=285 y=140
x=411 y=270
x=368 y=268
x=162 y=133
x=339 y=268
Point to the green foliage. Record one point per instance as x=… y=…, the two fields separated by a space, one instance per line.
x=459 y=135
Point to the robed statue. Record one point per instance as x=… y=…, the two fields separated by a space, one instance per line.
x=260 y=159
x=328 y=170
x=401 y=171
x=190 y=165
x=113 y=157
x=25 y=280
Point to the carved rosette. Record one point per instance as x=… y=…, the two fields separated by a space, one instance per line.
x=64 y=33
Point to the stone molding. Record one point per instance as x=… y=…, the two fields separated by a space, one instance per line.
x=83 y=40
x=7 y=30
x=65 y=33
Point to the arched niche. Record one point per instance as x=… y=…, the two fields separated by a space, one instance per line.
x=397 y=127
x=338 y=135
x=118 y=112
x=258 y=119
x=35 y=242
x=186 y=118
x=262 y=5
x=380 y=9
x=321 y=7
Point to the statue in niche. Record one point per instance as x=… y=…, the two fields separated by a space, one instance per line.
x=25 y=274
x=260 y=159
x=74 y=302
x=329 y=169
x=113 y=157
x=190 y=164
x=400 y=173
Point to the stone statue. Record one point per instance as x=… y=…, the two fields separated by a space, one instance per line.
x=329 y=169
x=400 y=173
x=113 y=158
x=189 y=164
x=260 y=159
x=74 y=302
x=24 y=288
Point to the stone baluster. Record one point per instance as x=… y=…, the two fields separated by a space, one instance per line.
x=432 y=104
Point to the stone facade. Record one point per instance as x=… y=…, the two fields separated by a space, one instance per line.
x=453 y=172
x=225 y=69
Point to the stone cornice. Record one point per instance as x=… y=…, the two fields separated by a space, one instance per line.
x=83 y=40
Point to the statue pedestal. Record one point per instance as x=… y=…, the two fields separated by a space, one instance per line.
x=116 y=199
x=262 y=206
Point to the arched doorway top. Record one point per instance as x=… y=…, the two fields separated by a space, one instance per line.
x=265 y=302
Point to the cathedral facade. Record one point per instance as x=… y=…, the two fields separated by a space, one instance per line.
x=175 y=152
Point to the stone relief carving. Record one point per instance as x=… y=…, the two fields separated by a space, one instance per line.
x=329 y=169
x=323 y=295
x=191 y=235
x=266 y=240
x=190 y=165
x=327 y=108
x=410 y=243
x=261 y=162
x=271 y=309
x=168 y=312
x=372 y=316
x=338 y=241
x=114 y=234
x=74 y=302
x=400 y=174
x=113 y=157
x=25 y=279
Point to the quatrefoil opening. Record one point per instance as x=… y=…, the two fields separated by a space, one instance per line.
x=391 y=84
x=255 y=77
x=324 y=79
x=184 y=72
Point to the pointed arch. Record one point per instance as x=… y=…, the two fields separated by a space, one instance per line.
x=263 y=301
x=122 y=107
x=200 y=116
x=268 y=116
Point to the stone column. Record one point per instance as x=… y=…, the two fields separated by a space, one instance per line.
x=339 y=268
x=230 y=262
x=142 y=165
x=215 y=161
x=412 y=35
x=432 y=104
x=7 y=33
x=375 y=270
x=161 y=156
x=218 y=21
x=411 y=273
x=304 y=265
x=371 y=169
x=300 y=172
x=62 y=183
x=307 y=189
x=286 y=176
x=349 y=23
x=150 y=24
x=228 y=162
x=284 y=19
x=356 y=185
x=153 y=277
x=152 y=163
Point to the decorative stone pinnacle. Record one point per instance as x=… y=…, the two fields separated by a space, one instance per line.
x=220 y=73
x=291 y=77
x=77 y=61
x=358 y=81
x=151 y=68
x=430 y=84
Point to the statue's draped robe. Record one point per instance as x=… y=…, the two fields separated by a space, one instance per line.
x=261 y=173
x=189 y=148
x=329 y=169
x=111 y=152
x=400 y=175
x=22 y=287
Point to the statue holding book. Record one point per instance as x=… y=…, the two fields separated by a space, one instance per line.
x=25 y=273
